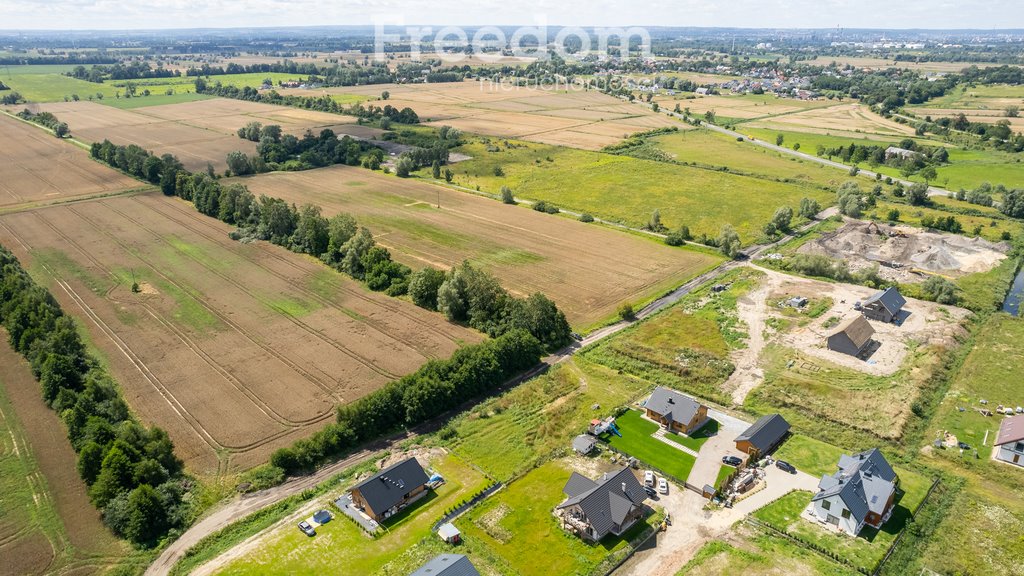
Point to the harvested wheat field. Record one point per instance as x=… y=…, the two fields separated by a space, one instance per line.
x=236 y=349
x=574 y=117
x=586 y=269
x=745 y=107
x=196 y=132
x=36 y=167
x=848 y=118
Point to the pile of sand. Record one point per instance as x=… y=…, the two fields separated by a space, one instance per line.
x=901 y=249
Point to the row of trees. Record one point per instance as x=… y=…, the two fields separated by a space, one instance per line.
x=11 y=98
x=47 y=119
x=121 y=71
x=132 y=472
x=277 y=151
x=321 y=103
x=438 y=386
x=463 y=294
x=875 y=155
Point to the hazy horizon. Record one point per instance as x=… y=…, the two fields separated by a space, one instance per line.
x=110 y=15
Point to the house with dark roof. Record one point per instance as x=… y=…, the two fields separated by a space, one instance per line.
x=763 y=436
x=675 y=411
x=1010 y=440
x=853 y=338
x=884 y=305
x=393 y=488
x=861 y=493
x=610 y=505
x=447 y=565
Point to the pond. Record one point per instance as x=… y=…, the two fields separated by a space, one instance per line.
x=1013 y=298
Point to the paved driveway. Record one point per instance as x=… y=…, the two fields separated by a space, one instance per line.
x=709 y=460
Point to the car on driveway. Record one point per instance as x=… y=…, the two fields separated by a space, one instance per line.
x=663 y=486
x=307 y=529
x=785 y=466
x=651 y=491
x=649 y=478
x=732 y=460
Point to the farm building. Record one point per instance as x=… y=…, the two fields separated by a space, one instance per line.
x=853 y=338
x=763 y=436
x=609 y=506
x=390 y=490
x=675 y=411
x=901 y=153
x=584 y=444
x=884 y=305
x=1010 y=440
x=447 y=565
x=449 y=533
x=862 y=492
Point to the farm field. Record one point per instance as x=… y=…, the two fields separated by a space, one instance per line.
x=881 y=63
x=41 y=169
x=846 y=118
x=277 y=340
x=711 y=148
x=980 y=100
x=578 y=118
x=740 y=107
x=46 y=521
x=197 y=132
x=628 y=190
x=588 y=270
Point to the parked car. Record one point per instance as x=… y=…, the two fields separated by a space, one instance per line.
x=964 y=445
x=650 y=491
x=663 y=486
x=649 y=478
x=785 y=466
x=577 y=336
x=307 y=529
x=732 y=460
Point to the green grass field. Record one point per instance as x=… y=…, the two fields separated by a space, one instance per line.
x=698 y=438
x=629 y=190
x=975 y=97
x=637 y=441
x=711 y=148
x=342 y=543
x=518 y=526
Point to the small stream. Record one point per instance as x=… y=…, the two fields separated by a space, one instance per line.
x=1016 y=294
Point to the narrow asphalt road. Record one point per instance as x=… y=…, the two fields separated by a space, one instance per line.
x=241 y=506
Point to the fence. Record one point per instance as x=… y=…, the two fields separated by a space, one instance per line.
x=454 y=513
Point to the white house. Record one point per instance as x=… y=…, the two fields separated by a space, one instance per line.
x=861 y=493
x=1010 y=440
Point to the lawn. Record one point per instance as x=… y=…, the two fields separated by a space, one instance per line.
x=809 y=455
x=628 y=190
x=636 y=440
x=517 y=524
x=980 y=537
x=341 y=543
x=724 y=472
x=698 y=438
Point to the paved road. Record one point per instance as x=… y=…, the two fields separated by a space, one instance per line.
x=236 y=509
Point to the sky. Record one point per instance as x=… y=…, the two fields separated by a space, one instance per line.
x=164 y=14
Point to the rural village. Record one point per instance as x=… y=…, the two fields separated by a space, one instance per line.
x=723 y=301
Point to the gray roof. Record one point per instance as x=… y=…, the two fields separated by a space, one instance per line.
x=1011 y=430
x=583 y=443
x=389 y=486
x=863 y=482
x=606 y=502
x=672 y=405
x=890 y=299
x=766 y=432
x=447 y=565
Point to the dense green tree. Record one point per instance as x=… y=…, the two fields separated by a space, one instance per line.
x=423 y=287
x=147 y=517
x=90 y=462
x=729 y=241
x=809 y=208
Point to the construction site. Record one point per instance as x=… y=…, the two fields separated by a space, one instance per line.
x=905 y=254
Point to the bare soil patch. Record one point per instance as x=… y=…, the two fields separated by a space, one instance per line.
x=907 y=254
x=586 y=269
x=243 y=348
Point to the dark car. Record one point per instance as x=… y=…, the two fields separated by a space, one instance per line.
x=964 y=445
x=732 y=460
x=785 y=466
x=306 y=528
x=651 y=491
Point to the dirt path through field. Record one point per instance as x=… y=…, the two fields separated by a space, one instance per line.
x=752 y=312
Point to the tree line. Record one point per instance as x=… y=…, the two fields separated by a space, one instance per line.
x=438 y=386
x=134 y=478
x=278 y=151
x=48 y=120
x=120 y=71
x=463 y=294
x=320 y=103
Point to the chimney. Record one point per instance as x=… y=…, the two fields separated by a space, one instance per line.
x=623 y=486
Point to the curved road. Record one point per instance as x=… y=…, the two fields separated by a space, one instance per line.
x=236 y=509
